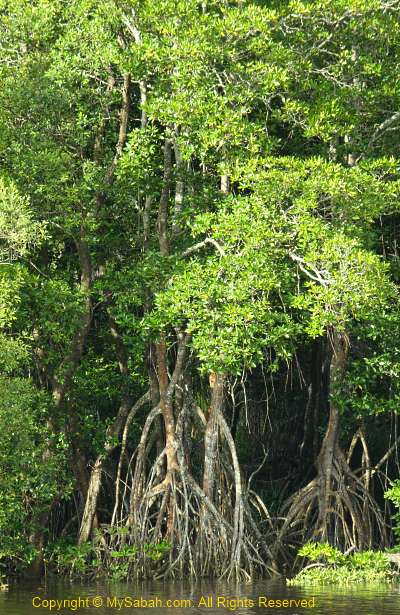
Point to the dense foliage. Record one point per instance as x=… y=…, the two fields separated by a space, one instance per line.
x=199 y=282
x=331 y=567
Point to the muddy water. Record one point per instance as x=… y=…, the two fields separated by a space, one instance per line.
x=201 y=598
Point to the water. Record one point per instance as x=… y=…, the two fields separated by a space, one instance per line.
x=200 y=598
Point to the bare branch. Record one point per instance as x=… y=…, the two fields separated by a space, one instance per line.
x=315 y=275
x=202 y=244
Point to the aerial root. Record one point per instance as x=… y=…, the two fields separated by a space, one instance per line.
x=351 y=520
x=204 y=536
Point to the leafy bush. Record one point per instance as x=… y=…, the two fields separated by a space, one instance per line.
x=89 y=560
x=315 y=551
x=330 y=566
x=393 y=495
x=71 y=559
x=27 y=484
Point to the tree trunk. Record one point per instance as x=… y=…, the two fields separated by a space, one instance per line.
x=329 y=446
x=166 y=408
x=217 y=382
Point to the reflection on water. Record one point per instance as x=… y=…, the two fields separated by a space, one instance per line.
x=202 y=597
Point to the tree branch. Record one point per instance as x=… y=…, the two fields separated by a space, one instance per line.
x=202 y=244
x=316 y=275
x=123 y=127
x=162 y=220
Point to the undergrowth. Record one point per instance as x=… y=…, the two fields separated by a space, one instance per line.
x=329 y=566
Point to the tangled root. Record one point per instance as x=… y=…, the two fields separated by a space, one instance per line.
x=350 y=520
x=217 y=536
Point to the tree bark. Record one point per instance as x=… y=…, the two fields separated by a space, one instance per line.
x=166 y=408
x=329 y=446
x=217 y=383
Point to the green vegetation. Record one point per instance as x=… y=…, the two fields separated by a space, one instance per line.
x=94 y=559
x=331 y=567
x=393 y=494
x=199 y=286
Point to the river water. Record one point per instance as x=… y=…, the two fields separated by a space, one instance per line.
x=201 y=598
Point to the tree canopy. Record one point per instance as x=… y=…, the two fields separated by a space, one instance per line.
x=199 y=272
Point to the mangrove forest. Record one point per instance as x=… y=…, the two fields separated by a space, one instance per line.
x=199 y=287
